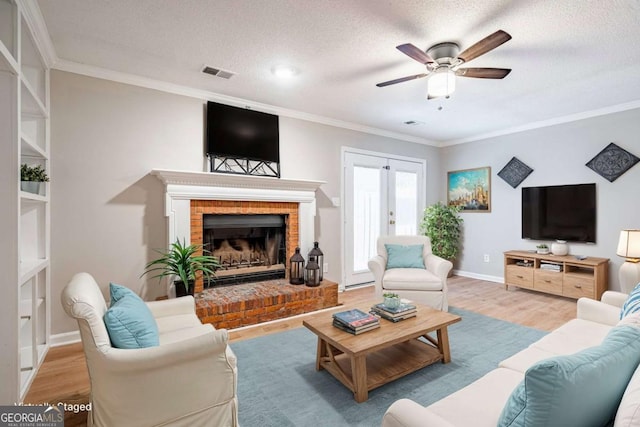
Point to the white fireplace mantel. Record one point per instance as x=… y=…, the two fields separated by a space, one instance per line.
x=182 y=186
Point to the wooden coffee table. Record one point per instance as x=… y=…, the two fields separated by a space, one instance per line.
x=367 y=361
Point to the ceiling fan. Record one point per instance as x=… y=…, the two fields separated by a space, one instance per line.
x=443 y=62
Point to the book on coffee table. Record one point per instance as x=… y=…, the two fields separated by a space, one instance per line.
x=395 y=318
x=395 y=314
x=402 y=308
x=355 y=318
x=356 y=331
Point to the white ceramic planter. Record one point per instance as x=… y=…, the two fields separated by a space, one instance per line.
x=559 y=247
x=30 y=186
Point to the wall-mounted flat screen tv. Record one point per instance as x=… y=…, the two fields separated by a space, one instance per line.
x=559 y=212
x=239 y=132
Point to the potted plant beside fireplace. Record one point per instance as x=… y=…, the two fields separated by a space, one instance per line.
x=184 y=263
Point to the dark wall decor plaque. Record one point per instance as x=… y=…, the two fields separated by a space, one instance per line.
x=612 y=162
x=514 y=172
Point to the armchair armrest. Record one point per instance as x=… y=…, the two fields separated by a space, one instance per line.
x=172 y=307
x=138 y=361
x=614 y=298
x=438 y=266
x=377 y=265
x=598 y=311
x=407 y=413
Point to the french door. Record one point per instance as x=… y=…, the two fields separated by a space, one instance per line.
x=383 y=196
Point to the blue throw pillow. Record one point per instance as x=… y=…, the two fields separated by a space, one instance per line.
x=129 y=321
x=579 y=390
x=632 y=304
x=404 y=256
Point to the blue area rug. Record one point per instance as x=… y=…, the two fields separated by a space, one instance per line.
x=278 y=385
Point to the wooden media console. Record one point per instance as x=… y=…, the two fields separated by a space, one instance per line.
x=575 y=278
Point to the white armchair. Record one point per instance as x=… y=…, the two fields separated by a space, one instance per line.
x=427 y=286
x=188 y=380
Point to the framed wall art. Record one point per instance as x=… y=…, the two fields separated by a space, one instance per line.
x=470 y=189
x=514 y=172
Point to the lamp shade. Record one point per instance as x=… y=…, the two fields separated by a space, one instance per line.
x=629 y=244
x=441 y=82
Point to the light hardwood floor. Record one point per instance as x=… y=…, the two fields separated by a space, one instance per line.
x=63 y=377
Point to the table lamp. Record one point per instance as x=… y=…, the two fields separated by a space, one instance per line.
x=629 y=248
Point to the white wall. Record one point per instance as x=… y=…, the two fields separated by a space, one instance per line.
x=107 y=212
x=557 y=156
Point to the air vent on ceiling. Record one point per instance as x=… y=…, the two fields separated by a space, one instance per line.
x=413 y=123
x=218 y=72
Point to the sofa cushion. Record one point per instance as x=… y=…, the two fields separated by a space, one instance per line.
x=632 y=304
x=478 y=404
x=581 y=390
x=411 y=279
x=628 y=414
x=404 y=256
x=129 y=321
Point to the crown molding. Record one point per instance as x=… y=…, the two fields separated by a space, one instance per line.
x=35 y=20
x=547 y=123
x=146 y=82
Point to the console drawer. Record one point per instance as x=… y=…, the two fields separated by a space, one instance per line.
x=519 y=276
x=577 y=287
x=548 y=281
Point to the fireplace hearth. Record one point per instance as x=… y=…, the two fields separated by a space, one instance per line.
x=249 y=247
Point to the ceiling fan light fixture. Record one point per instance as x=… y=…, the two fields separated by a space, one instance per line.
x=284 y=71
x=442 y=82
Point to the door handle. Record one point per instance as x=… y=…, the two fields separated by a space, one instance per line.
x=392 y=222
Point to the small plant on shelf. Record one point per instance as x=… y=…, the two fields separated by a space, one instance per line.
x=542 y=248
x=33 y=173
x=31 y=177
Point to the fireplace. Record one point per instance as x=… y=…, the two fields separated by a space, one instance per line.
x=191 y=195
x=249 y=247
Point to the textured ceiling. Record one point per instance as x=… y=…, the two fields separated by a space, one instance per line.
x=568 y=57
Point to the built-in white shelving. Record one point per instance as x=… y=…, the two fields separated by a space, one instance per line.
x=24 y=216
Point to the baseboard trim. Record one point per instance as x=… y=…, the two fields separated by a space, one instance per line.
x=65 y=338
x=497 y=279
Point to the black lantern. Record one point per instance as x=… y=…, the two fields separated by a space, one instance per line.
x=296 y=269
x=319 y=256
x=312 y=273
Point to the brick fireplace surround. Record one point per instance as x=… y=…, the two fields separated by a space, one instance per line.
x=190 y=195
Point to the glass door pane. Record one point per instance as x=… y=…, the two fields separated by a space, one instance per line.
x=406 y=213
x=366 y=215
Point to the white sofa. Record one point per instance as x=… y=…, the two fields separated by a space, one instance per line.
x=188 y=380
x=480 y=403
x=425 y=285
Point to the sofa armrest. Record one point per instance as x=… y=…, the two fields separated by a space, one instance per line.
x=407 y=413
x=438 y=266
x=614 y=298
x=598 y=311
x=172 y=307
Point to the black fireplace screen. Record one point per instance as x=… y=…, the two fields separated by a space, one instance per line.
x=249 y=248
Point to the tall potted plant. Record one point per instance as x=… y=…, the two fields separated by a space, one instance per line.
x=442 y=224
x=184 y=263
x=31 y=177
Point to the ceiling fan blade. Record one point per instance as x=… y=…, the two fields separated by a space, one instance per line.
x=485 y=45
x=402 y=79
x=415 y=53
x=483 y=73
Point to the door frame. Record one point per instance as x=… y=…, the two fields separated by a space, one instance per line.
x=343 y=219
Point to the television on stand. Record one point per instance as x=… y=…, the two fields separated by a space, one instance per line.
x=242 y=141
x=560 y=212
